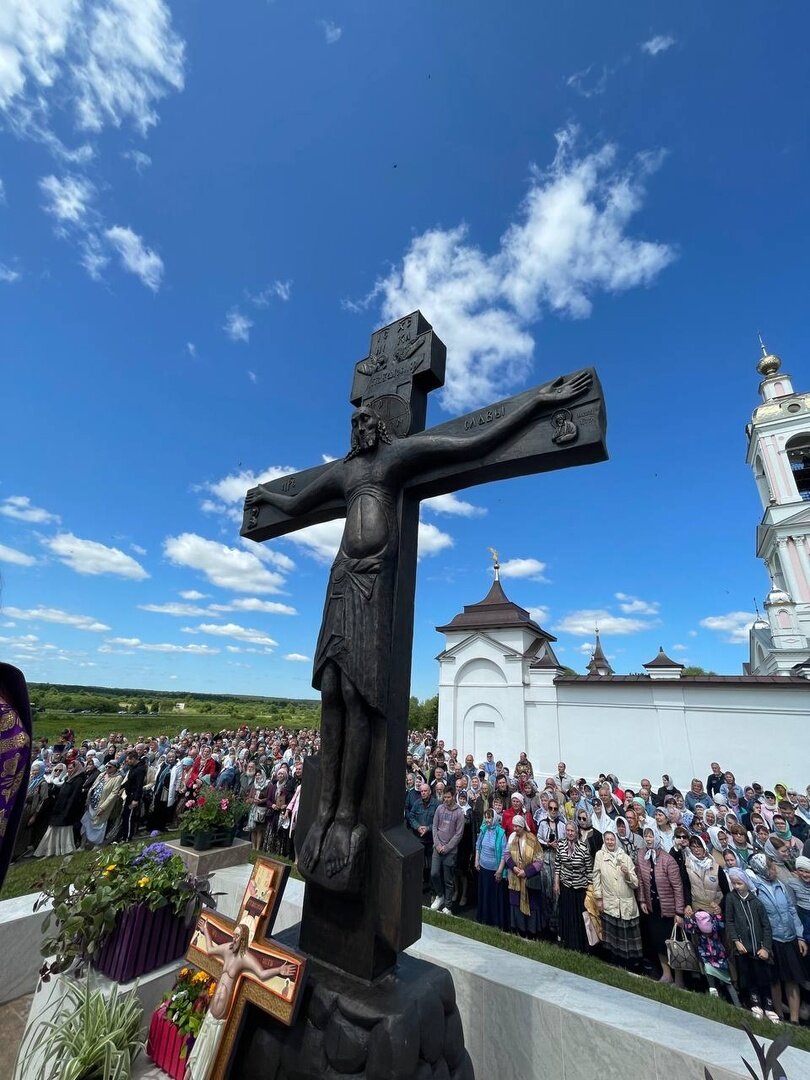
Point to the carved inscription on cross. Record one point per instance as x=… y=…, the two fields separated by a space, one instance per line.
x=362 y=867
x=247 y=970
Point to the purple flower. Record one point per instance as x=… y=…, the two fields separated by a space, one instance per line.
x=155 y=832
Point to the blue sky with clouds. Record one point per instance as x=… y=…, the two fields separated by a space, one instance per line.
x=205 y=210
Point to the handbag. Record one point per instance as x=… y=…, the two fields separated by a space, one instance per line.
x=534 y=883
x=681 y=953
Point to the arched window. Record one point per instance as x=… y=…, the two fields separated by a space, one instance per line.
x=798 y=452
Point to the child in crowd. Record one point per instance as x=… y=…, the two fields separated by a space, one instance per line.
x=708 y=926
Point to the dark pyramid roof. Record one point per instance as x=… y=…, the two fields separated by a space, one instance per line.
x=662 y=661
x=599 y=660
x=495 y=610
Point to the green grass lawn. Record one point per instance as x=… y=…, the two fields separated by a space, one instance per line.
x=99 y=725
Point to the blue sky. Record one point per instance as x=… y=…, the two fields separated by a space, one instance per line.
x=208 y=207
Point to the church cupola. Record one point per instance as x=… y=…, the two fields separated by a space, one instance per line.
x=663 y=666
x=599 y=665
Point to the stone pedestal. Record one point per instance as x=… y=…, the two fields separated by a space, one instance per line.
x=405 y=1026
x=201 y=863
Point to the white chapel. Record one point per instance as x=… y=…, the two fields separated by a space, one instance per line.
x=502 y=688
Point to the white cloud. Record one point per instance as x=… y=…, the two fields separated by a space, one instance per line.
x=735 y=625
x=191 y=349
x=18 y=558
x=198 y=650
x=132 y=641
x=589 y=82
x=692 y=633
x=138 y=549
x=185 y=611
x=281 y=290
x=320 y=541
x=297 y=658
x=94 y=259
x=135 y=256
x=657 y=44
x=7 y=275
x=252 y=603
x=192 y=594
x=227 y=567
x=56 y=615
x=237 y=326
x=67 y=199
x=20 y=508
x=107 y=61
x=539 y=614
x=568 y=242
x=138 y=158
x=268 y=554
x=451 y=504
x=230 y=491
x=680 y=648
x=232 y=630
x=584 y=622
x=331 y=32
x=90 y=557
x=631 y=605
x=254 y=378
x=431 y=540
x=2 y=193
x=523 y=568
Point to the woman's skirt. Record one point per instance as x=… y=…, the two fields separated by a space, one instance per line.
x=94 y=833
x=622 y=937
x=490 y=899
x=58 y=840
x=657 y=930
x=525 y=924
x=571 y=923
x=788 y=963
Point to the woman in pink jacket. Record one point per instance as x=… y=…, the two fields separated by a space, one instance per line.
x=661 y=894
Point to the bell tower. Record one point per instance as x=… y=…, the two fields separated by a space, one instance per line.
x=779 y=455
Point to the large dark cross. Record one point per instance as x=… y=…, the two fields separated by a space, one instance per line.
x=363 y=868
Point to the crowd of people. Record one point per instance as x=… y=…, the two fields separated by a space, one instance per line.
x=708 y=886
x=107 y=790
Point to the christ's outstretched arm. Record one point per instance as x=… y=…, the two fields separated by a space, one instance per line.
x=325 y=486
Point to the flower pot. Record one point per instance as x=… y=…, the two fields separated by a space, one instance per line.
x=186 y=838
x=203 y=841
x=224 y=837
x=166 y=1046
x=141 y=941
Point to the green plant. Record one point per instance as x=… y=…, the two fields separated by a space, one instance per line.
x=92 y=1037
x=188 y=1000
x=87 y=904
x=212 y=810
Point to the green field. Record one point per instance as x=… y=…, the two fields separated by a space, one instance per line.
x=50 y=724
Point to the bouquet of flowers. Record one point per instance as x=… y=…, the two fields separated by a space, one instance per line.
x=187 y=1003
x=211 y=811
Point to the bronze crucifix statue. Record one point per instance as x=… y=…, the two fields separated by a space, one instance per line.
x=362 y=659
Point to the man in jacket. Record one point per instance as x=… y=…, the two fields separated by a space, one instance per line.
x=448 y=826
x=420 y=818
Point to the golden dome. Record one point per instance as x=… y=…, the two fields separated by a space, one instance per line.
x=769 y=365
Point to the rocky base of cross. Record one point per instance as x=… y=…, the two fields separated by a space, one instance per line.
x=406 y=1026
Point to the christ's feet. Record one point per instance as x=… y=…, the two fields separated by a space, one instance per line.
x=337 y=849
x=311 y=849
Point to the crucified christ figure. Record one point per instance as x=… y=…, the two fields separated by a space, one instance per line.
x=354 y=648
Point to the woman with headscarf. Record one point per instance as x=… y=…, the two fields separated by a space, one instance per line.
x=789 y=948
x=626 y=838
x=35 y=801
x=662 y=902
x=524 y=858
x=65 y=813
x=718 y=839
x=614 y=885
x=102 y=800
x=703 y=878
x=779 y=853
x=257 y=815
x=665 y=829
x=490 y=860
x=464 y=852
x=781 y=830
x=572 y=877
x=679 y=852
x=15 y=758
x=165 y=791
x=600 y=819
x=749 y=933
x=738 y=842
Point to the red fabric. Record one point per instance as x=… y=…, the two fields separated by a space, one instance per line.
x=509 y=814
x=668 y=880
x=209 y=769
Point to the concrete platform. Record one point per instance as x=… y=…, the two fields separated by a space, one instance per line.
x=202 y=863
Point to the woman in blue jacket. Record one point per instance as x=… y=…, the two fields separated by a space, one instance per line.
x=789 y=947
x=490 y=859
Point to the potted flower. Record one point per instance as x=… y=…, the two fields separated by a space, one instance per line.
x=177 y=1020
x=210 y=819
x=126 y=914
x=93 y=1036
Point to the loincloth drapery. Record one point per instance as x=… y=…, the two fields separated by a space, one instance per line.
x=356 y=627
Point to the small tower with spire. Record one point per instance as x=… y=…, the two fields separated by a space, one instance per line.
x=598 y=665
x=779 y=455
